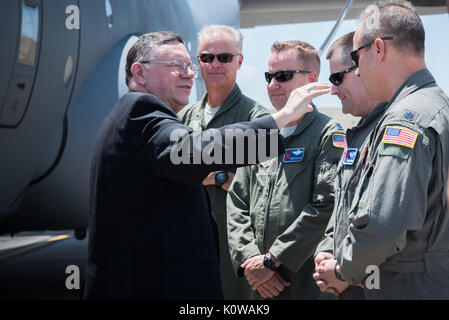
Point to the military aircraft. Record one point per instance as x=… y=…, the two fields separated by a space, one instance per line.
x=62 y=71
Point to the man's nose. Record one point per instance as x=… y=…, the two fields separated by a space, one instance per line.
x=273 y=84
x=188 y=73
x=357 y=72
x=334 y=90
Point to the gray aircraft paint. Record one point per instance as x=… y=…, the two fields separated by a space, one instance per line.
x=45 y=152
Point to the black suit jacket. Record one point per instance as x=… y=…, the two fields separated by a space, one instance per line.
x=151 y=234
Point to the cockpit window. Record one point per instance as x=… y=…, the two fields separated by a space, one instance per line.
x=29 y=33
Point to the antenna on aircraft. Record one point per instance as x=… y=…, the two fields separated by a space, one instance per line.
x=334 y=30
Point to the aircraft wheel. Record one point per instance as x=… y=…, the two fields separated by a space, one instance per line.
x=80 y=234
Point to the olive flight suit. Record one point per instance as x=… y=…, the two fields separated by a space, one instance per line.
x=345 y=185
x=399 y=218
x=283 y=205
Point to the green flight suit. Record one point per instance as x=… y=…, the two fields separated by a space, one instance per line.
x=284 y=205
x=399 y=218
x=345 y=185
x=236 y=108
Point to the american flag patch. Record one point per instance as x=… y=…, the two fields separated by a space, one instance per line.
x=400 y=136
x=339 y=140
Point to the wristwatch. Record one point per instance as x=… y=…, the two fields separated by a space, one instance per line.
x=338 y=274
x=220 y=178
x=268 y=262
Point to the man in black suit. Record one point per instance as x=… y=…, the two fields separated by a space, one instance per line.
x=151 y=234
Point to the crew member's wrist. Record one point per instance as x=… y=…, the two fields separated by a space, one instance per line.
x=338 y=274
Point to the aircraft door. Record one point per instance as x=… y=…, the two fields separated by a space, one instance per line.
x=21 y=56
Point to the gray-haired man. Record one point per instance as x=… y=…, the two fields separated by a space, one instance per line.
x=220 y=57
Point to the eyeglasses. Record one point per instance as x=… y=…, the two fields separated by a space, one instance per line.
x=337 y=77
x=177 y=66
x=224 y=57
x=354 y=54
x=283 y=75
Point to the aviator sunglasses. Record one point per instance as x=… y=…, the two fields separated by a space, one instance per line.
x=283 y=75
x=337 y=77
x=355 y=53
x=222 y=57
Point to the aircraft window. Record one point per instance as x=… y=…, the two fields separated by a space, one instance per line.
x=108 y=6
x=29 y=33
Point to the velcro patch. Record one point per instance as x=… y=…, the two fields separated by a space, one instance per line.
x=293 y=155
x=339 y=140
x=395 y=151
x=400 y=136
x=349 y=156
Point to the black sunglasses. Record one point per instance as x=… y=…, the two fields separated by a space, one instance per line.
x=354 y=54
x=337 y=77
x=222 y=57
x=283 y=75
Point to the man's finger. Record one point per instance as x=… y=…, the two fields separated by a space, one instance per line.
x=285 y=283
x=264 y=293
x=321 y=284
x=333 y=291
x=276 y=283
x=274 y=292
x=316 y=93
x=317 y=276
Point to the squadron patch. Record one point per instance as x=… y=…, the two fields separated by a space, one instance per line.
x=400 y=136
x=293 y=155
x=339 y=140
x=349 y=156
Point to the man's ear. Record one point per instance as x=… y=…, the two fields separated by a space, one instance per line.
x=240 y=57
x=313 y=77
x=379 y=46
x=137 y=70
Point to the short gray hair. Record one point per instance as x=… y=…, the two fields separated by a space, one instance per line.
x=396 y=18
x=146 y=47
x=216 y=30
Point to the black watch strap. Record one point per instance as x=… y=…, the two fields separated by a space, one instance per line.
x=338 y=274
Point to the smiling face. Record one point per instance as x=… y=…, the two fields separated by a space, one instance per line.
x=279 y=92
x=351 y=92
x=170 y=86
x=218 y=74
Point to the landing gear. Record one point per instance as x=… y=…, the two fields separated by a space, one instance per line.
x=80 y=234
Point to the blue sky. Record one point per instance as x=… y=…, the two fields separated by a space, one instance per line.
x=257 y=42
